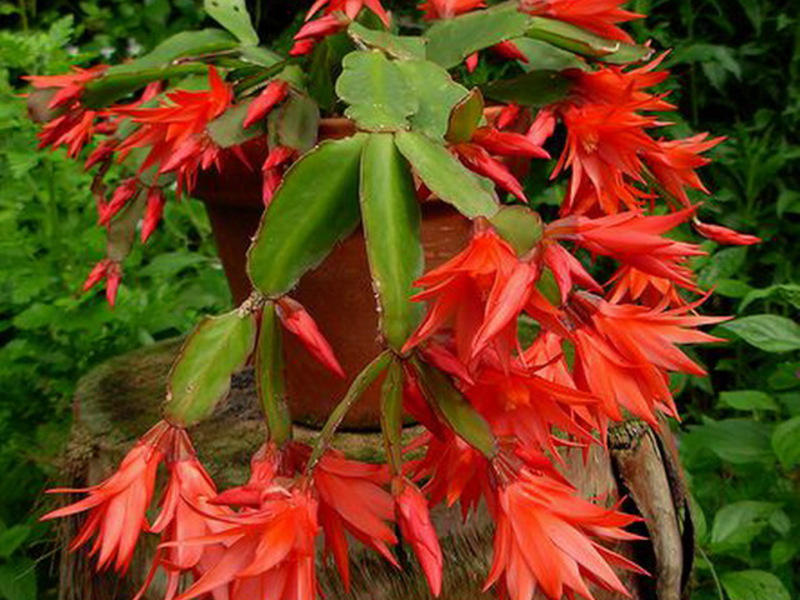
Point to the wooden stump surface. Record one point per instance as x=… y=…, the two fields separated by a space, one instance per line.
x=121 y=399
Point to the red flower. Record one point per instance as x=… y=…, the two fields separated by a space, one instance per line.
x=723 y=235
x=632 y=285
x=623 y=352
x=296 y=319
x=186 y=514
x=454 y=470
x=522 y=404
x=349 y=7
x=175 y=131
x=674 y=163
x=353 y=500
x=604 y=150
x=481 y=292
x=543 y=540
x=599 y=16
x=477 y=159
x=447 y=9
x=273 y=169
x=127 y=191
x=507 y=143
x=616 y=85
x=486 y=141
x=274 y=93
x=117 y=507
x=69 y=86
x=110 y=271
x=152 y=212
x=414 y=520
x=73 y=129
x=314 y=31
x=635 y=240
x=270 y=549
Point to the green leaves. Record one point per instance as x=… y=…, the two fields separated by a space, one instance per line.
x=748 y=400
x=436 y=94
x=391 y=217
x=535 y=88
x=458 y=413
x=445 y=176
x=771 y=333
x=519 y=226
x=738 y=523
x=753 y=585
x=569 y=37
x=378 y=94
x=227 y=130
x=786 y=442
x=316 y=206
x=396 y=46
x=200 y=377
x=233 y=16
x=450 y=41
x=465 y=118
x=737 y=441
x=270 y=377
x=180 y=45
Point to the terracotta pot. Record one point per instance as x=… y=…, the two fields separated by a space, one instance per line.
x=338 y=294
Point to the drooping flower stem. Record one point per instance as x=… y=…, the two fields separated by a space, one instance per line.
x=270 y=377
x=357 y=389
x=392 y=416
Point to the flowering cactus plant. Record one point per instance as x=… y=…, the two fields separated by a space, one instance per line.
x=497 y=412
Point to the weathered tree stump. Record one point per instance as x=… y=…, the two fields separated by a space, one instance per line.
x=121 y=399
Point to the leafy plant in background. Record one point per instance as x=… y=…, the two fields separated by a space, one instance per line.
x=50 y=333
x=739 y=65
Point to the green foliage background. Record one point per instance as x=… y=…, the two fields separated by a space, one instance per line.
x=737 y=73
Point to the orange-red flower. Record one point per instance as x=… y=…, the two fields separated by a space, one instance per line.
x=632 y=286
x=109 y=271
x=674 y=164
x=724 y=235
x=447 y=9
x=522 y=404
x=69 y=86
x=349 y=7
x=604 y=151
x=624 y=352
x=599 y=16
x=296 y=320
x=480 y=292
x=272 y=95
x=270 y=549
x=175 y=130
x=635 y=240
x=117 y=507
x=414 y=520
x=186 y=514
x=543 y=540
x=454 y=472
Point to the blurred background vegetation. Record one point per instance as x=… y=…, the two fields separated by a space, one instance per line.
x=737 y=74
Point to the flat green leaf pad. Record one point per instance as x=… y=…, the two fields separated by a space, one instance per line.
x=315 y=207
x=233 y=16
x=378 y=95
x=201 y=375
x=445 y=176
x=391 y=217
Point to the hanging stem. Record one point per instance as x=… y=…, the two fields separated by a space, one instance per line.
x=392 y=417
x=270 y=377
x=357 y=389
